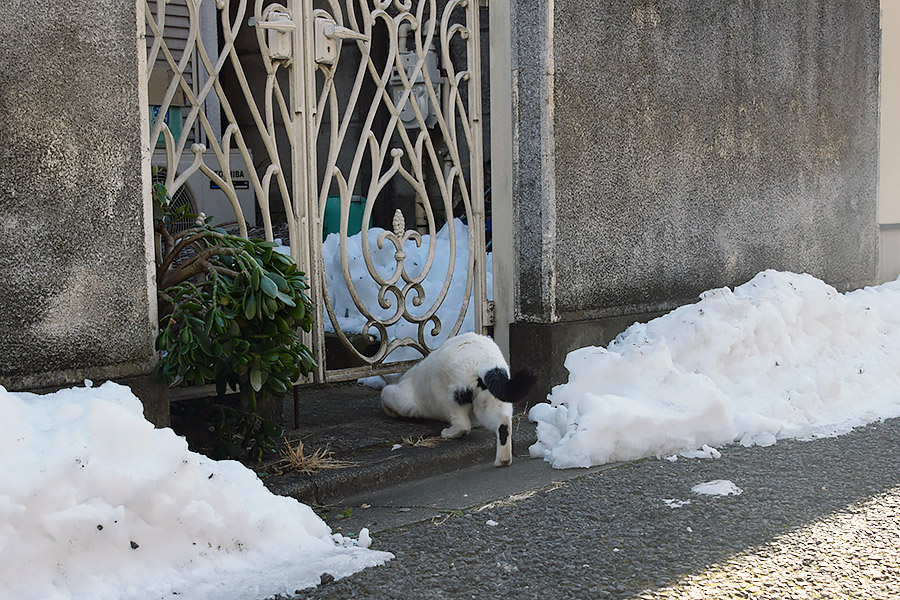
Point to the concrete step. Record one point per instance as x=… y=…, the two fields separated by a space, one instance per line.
x=346 y=421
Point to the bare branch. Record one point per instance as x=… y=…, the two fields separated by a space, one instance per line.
x=225 y=271
x=209 y=253
x=167 y=240
x=185 y=272
x=199 y=263
x=172 y=255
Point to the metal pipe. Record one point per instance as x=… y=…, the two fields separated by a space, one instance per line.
x=296 y=390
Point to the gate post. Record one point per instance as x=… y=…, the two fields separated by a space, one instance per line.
x=307 y=250
x=501 y=83
x=476 y=157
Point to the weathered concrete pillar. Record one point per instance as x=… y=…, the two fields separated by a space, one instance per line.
x=662 y=148
x=76 y=286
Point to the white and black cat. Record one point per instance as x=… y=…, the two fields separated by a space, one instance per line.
x=465 y=377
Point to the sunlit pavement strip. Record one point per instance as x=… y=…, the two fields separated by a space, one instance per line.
x=850 y=554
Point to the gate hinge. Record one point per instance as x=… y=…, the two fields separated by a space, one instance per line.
x=489 y=316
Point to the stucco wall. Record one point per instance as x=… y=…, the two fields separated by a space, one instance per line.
x=667 y=147
x=74 y=272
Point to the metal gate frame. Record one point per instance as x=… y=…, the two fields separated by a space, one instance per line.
x=298 y=33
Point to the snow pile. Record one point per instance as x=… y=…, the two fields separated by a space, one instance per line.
x=384 y=263
x=782 y=356
x=351 y=319
x=95 y=503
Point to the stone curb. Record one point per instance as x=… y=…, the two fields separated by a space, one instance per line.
x=381 y=468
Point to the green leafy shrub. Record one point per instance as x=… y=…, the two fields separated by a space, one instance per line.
x=230 y=313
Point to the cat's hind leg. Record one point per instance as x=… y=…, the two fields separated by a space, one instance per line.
x=496 y=415
x=460 y=423
x=503 y=457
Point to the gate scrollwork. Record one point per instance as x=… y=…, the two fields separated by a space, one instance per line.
x=430 y=139
x=378 y=104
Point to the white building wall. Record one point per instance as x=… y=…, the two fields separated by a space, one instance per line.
x=889 y=183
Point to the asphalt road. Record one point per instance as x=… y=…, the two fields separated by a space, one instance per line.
x=816 y=519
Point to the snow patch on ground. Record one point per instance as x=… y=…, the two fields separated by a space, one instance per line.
x=706 y=451
x=375 y=382
x=717 y=487
x=96 y=503
x=782 y=356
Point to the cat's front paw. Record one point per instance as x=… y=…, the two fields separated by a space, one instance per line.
x=453 y=432
x=389 y=411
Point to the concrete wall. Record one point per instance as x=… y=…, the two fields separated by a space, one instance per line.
x=664 y=147
x=889 y=182
x=75 y=278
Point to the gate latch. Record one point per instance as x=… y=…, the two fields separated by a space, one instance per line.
x=277 y=20
x=327 y=32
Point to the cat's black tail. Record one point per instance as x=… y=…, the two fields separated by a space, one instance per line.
x=506 y=388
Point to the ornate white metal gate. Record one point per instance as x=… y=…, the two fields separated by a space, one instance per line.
x=347 y=115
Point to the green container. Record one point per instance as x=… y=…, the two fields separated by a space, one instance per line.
x=332 y=222
x=172 y=118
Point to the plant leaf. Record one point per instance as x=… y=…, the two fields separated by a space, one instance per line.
x=285 y=298
x=256 y=379
x=250 y=306
x=269 y=287
x=279 y=281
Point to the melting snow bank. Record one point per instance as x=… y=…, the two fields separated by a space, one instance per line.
x=446 y=257
x=95 y=503
x=782 y=356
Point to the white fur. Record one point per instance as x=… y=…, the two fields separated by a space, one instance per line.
x=427 y=390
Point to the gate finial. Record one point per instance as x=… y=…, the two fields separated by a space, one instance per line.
x=399 y=223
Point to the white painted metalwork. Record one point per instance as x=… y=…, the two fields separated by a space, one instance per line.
x=408 y=109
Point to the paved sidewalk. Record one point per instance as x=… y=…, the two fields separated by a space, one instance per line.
x=347 y=421
x=817 y=519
